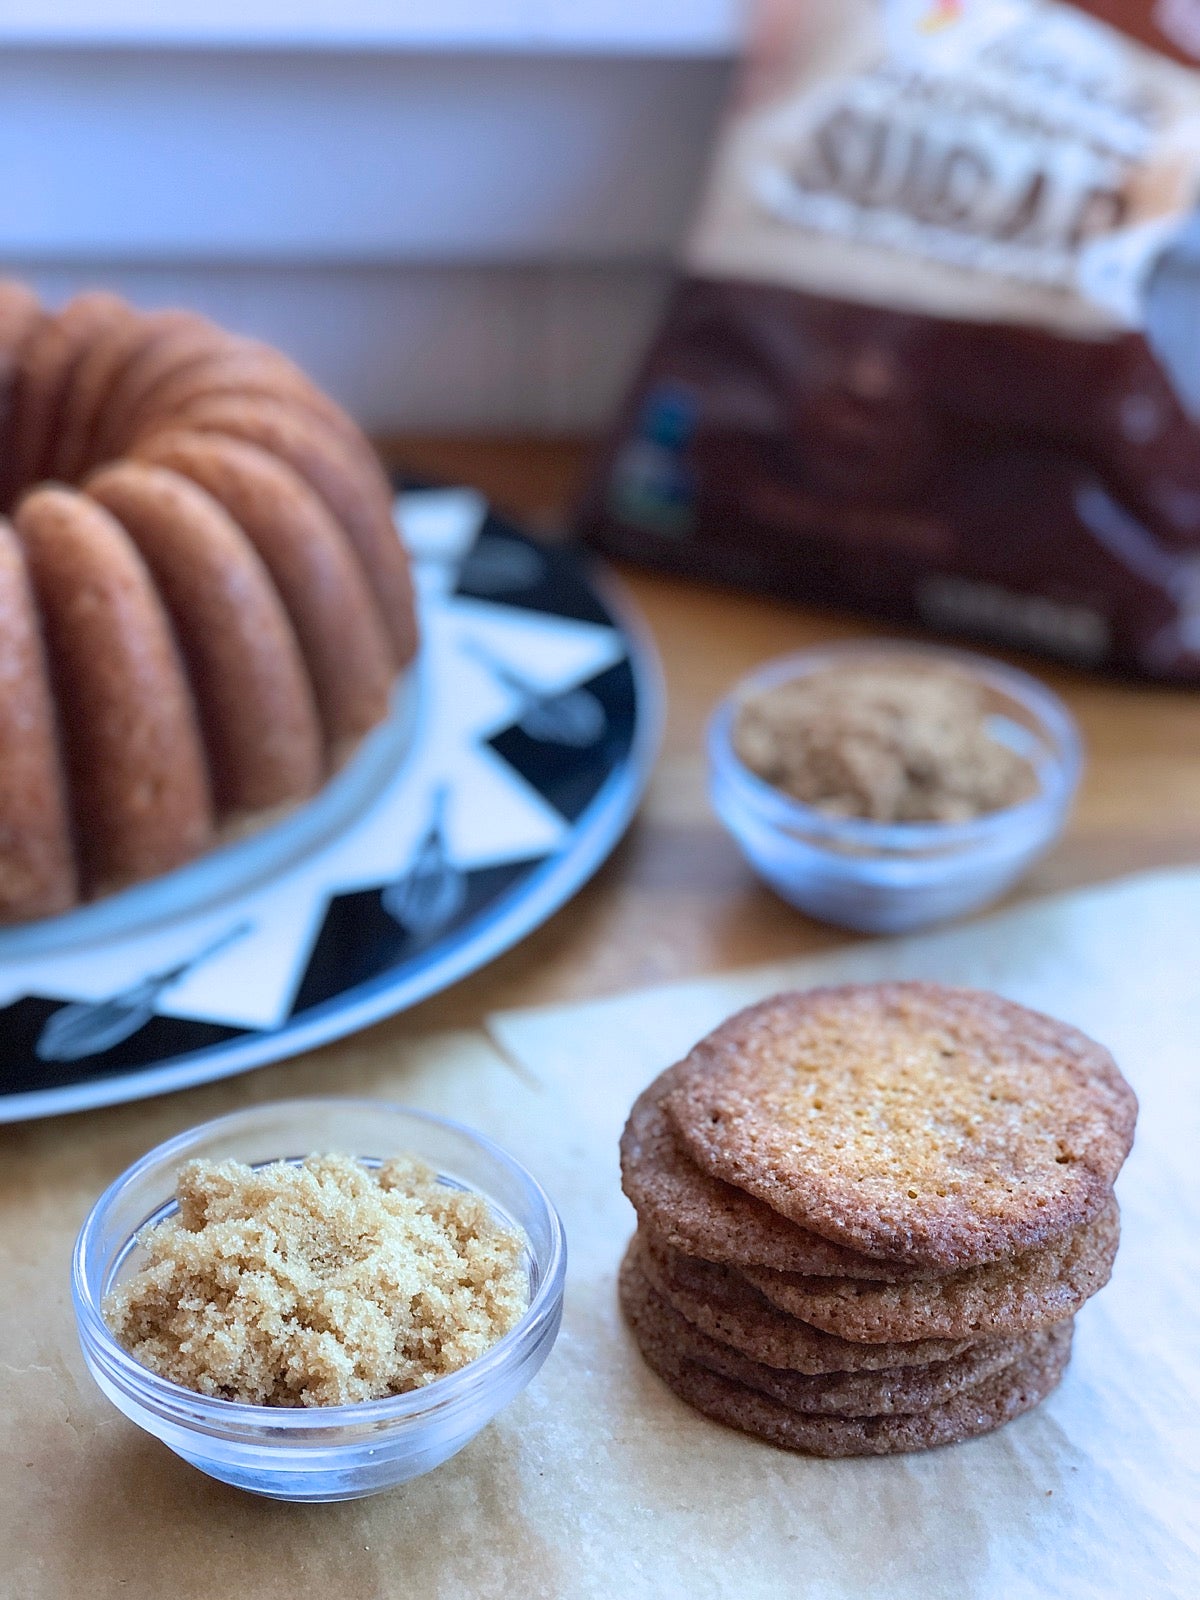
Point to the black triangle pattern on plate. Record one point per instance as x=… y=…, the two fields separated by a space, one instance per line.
x=161 y=1038
x=359 y=940
x=567 y=777
x=507 y=566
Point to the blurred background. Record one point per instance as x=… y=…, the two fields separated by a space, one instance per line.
x=458 y=214
x=464 y=217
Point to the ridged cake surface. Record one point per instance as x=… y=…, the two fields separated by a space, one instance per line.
x=203 y=601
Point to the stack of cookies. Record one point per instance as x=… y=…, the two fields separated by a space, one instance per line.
x=868 y=1215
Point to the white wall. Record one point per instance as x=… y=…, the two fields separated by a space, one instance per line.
x=671 y=27
x=448 y=238
x=406 y=347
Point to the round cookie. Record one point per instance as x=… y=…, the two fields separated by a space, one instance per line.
x=135 y=763
x=45 y=366
x=890 y=1391
x=942 y=1127
x=976 y=1411
x=1022 y=1294
x=690 y=1211
x=37 y=868
x=727 y=1308
x=343 y=470
x=253 y=695
x=323 y=590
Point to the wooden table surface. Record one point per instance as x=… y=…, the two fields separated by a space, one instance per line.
x=675 y=899
x=91 y=1506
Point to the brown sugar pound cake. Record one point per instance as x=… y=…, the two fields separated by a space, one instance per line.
x=204 y=379
x=203 y=623
x=37 y=863
x=868 y=1216
x=44 y=374
x=241 y=369
x=20 y=313
x=336 y=620
x=110 y=377
x=20 y=309
x=341 y=470
x=130 y=737
x=177 y=338
x=92 y=377
x=255 y=700
x=221 y=363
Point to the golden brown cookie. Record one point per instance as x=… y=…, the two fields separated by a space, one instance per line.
x=320 y=583
x=37 y=867
x=943 y=1127
x=976 y=1411
x=701 y=1216
x=252 y=691
x=1016 y=1296
x=727 y=1308
x=343 y=470
x=137 y=777
x=848 y=1394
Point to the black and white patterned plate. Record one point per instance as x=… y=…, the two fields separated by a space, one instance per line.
x=509 y=769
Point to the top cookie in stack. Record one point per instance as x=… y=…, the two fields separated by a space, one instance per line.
x=867 y=1215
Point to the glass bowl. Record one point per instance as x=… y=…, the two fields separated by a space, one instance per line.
x=329 y=1452
x=879 y=877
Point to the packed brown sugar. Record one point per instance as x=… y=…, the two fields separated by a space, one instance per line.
x=320 y=1283
x=888 y=741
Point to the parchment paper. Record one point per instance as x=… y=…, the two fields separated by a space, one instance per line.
x=597 y=1482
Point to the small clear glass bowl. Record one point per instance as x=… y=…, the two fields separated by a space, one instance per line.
x=330 y=1452
x=880 y=877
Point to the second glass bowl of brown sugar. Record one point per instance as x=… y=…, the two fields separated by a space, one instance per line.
x=885 y=876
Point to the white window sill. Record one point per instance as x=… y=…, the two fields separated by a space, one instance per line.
x=703 y=28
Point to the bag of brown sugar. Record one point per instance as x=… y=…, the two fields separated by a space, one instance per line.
x=935 y=352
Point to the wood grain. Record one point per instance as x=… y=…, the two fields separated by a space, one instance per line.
x=676 y=899
x=115 y=1513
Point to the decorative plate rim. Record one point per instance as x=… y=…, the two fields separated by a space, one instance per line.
x=497 y=928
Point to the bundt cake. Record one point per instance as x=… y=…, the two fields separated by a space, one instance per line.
x=203 y=601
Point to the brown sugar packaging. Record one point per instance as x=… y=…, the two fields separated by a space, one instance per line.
x=929 y=356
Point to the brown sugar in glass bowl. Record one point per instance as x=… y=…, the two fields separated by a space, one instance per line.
x=320 y=1282
x=317 y=1452
x=886 y=786
x=907 y=741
